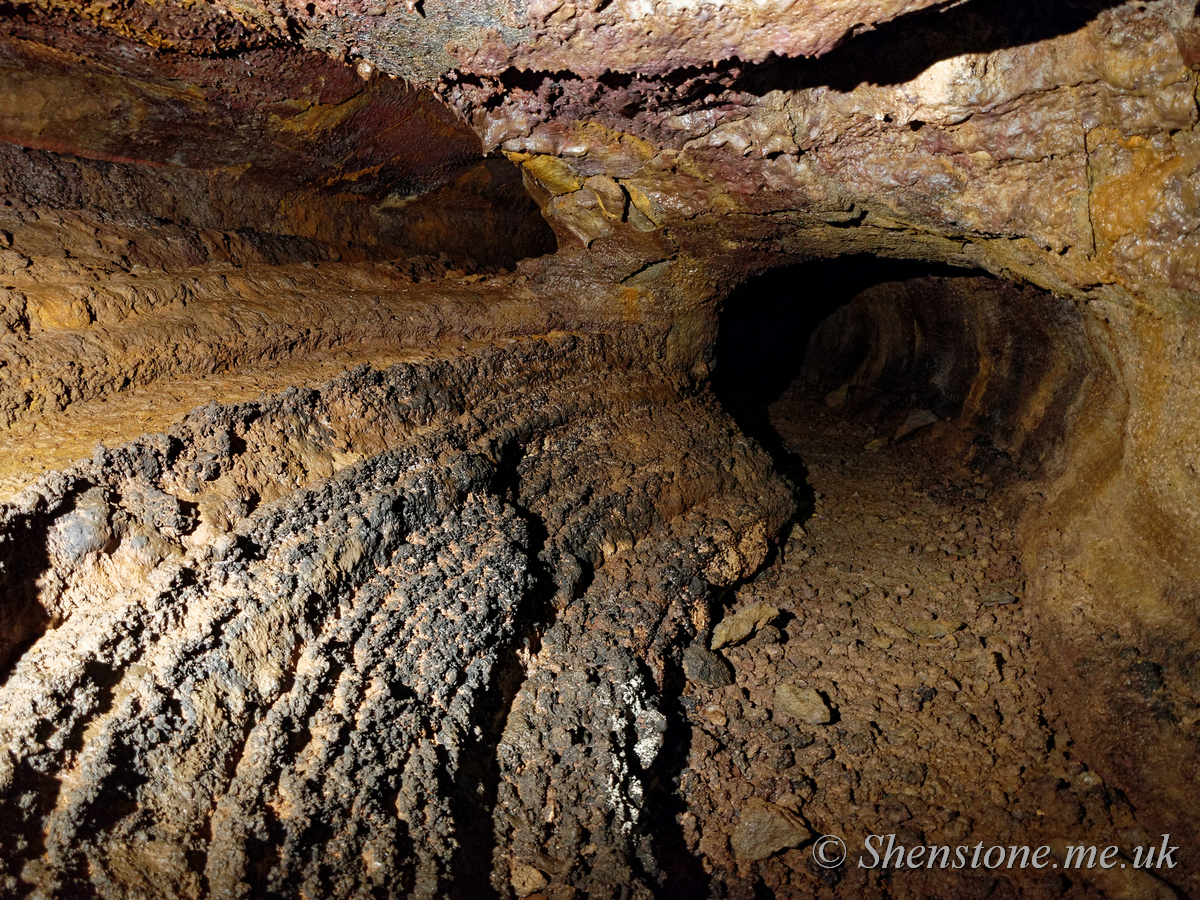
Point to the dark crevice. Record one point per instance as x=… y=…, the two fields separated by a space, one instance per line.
x=35 y=791
x=682 y=872
x=898 y=51
x=24 y=558
x=473 y=799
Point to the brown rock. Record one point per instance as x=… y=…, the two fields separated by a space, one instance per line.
x=736 y=627
x=802 y=703
x=913 y=422
x=764 y=829
x=526 y=880
x=932 y=629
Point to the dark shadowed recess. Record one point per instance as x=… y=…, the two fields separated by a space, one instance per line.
x=23 y=560
x=485 y=218
x=293 y=152
x=765 y=327
x=898 y=51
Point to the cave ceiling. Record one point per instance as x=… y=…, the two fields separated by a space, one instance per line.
x=945 y=132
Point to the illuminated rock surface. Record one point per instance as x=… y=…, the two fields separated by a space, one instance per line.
x=366 y=479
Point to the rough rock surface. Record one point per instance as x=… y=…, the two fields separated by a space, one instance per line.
x=764 y=829
x=736 y=627
x=284 y=635
x=402 y=606
x=943 y=741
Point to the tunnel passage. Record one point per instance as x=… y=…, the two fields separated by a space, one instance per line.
x=412 y=531
x=878 y=339
x=768 y=325
x=886 y=672
x=929 y=418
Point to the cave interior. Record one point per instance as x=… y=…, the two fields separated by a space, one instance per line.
x=599 y=448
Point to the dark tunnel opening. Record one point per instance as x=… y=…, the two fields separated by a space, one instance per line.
x=900 y=345
x=768 y=323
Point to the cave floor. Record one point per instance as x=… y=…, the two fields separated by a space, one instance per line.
x=896 y=600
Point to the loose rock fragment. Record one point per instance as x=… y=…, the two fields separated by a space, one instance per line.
x=735 y=628
x=764 y=828
x=802 y=703
x=998 y=598
x=704 y=666
x=915 y=421
x=527 y=880
x=932 y=629
x=837 y=397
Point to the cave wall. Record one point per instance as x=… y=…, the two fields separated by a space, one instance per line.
x=246 y=205
x=1111 y=551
